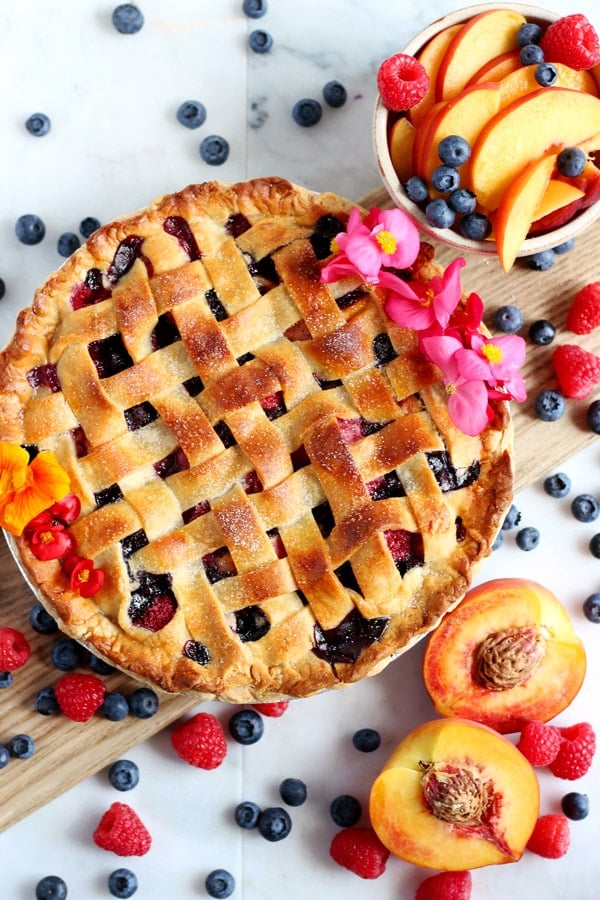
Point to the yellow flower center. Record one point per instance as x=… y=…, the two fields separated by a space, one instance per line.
x=83 y=576
x=492 y=353
x=46 y=537
x=387 y=242
x=427 y=299
x=334 y=246
x=450 y=389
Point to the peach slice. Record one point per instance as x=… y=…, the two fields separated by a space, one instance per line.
x=523 y=131
x=498 y=67
x=505 y=656
x=402 y=135
x=482 y=37
x=517 y=209
x=557 y=195
x=430 y=58
x=455 y=795
x=522 y=81
x=587 y=185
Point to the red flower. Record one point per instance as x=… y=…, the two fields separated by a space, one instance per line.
x=64 y=512
x=51 y=542
x=84 y=578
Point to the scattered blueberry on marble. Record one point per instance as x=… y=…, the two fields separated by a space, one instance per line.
x=41 y=620
x=475 y=226
x=115 y=707
x=546 y=74
x=416 y=189
x=334 y=94
x=260 y=41
x=4 y=756
x=565 y=247
x=595 y=545
x=307 y=112
x=541 y=261
x=51 y=887
x=527 y=538
x=246 y=814
x=214 y=150
x=508 y=319
x=122 y=883
x=21 y=746
x=246 y=726
x=68 y=242
x=542 y=332
x=6 y=680
x=254 y=9
x=274 y=823
x=2 y=288
x=191 y=114
x=571 y=161
x=511 y=519
x=345 y=810
x=439 y=214
x=366 y=740
x=127 y=18
x=591 y=608
x=585 y=508
x=88 y=226
x=549 y=405
x=557 y=485
x=30 y=229
x=66 y=654
x=575 y=806
x=219 y=884
x=38 y=124
x=293 y=791
x=124 y=775
x=45 y=702
x=593 y=416
x=143 y=703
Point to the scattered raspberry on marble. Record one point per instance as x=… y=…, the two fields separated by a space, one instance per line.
x=121 y=830
x=272 y=710
x=445 y=886
x=14 y=649
x=539 y=743
x=79 y=695
x=576 y=751
x=584 y=313
x=551 y=836
x=200 y=741
x=359 y=850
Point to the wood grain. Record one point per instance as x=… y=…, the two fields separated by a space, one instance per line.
x=66 y=752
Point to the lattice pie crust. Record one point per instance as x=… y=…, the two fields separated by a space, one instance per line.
x=268 y=473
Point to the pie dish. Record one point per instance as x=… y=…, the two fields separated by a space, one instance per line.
x=268 y=475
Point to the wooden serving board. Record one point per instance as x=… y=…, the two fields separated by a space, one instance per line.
x=66 y=752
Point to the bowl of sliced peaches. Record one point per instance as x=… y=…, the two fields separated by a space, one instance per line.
x=487 y=129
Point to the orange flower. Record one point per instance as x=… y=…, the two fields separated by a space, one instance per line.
x=27 y=488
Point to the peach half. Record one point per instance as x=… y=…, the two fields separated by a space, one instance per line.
x=505 y=656
x=455 y=795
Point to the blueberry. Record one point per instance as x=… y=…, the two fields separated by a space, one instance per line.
x=585 y=508
x=591 y=608
x=345 y=810
x=293 y=791
x=45 y=702
x=100 y=666
x=334 y=94
x=260 y=41
x=445 y=179
x=307 y=112
x=122 y=883
x=219 y=883
x=439 y=214
x=38 y=124
x=527 y=538
x=416 y=189
x=565 y=247
x=143 y=703
x=67 y=243
x=593 y=416
x=549 y=406
x=508 y=319
x=88 y=226
x=542 y=332
x=529 y=33
x=254 y=9
x=274 y=823
x=246 y=814
x=21 y=746
x=511 y=519
x=6 y=680
x=366 y=740
x=30 y=229
x=595 y=545
x=41 y=620
x=214 y=150
x=246 y=726
x=541 y=261
x=557 y=485
x=531 y=54
x=454 y=150
x=498 y=541
x=571 y=161
x=115 y=707
x=4 y=756
x=546 y=74
x=2 y=288
x=575 y=806
x=66 y=654
x=52 y=887
x=124 y=775
x=127 y=18
x=462 y=201
x=475 y=226
x=191 y=113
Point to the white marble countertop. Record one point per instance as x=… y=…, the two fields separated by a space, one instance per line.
x=113 y=146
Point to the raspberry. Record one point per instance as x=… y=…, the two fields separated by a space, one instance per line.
x=445 y=886
x=361 y=851
x=402 y=81
x=200 y=741
x=584 y=314
x=539 y=743
x=551 y=836
x=577 y=370
x=272 y=710
x=571 y=40
x=79 y=696
x=14 y=649
x=121 y=830
x=577 y=747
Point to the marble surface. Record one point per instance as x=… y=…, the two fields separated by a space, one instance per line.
x=114 y=145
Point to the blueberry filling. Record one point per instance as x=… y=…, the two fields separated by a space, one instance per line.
x=389 y=485
x=179 y=228
x=171 y=464
x=346 y=576
x=326 y=229
x=237 y=224
x=215 y=305
x=245 y=358
x=264 y=273
x=447 y=476
x=251 y=624
x=165 y=332
x=323 y=516
x=110 y=355
x=82 y=446
x=153 y=605
x=406 y=548
x=197 y=652
x=251 y=483
x=194 y=512
x=129 y=249
x=224 y=434
x=140 y=415
x=218 y=565
x=350 y=298
x=44 y=376
x=383 y=350
x=327 y=385
x=91 y=291
x=193 y=385
x=133 y=542
x=108 y=495
x=345 y=642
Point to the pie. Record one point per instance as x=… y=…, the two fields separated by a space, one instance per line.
x=268 y=475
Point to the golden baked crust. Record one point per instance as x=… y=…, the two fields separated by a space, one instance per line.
x=268 y=474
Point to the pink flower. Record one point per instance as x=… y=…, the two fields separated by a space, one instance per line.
x=424 y=306
x=468 y=399
x=466 y=319
x=386 y=237
x=497 y=361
